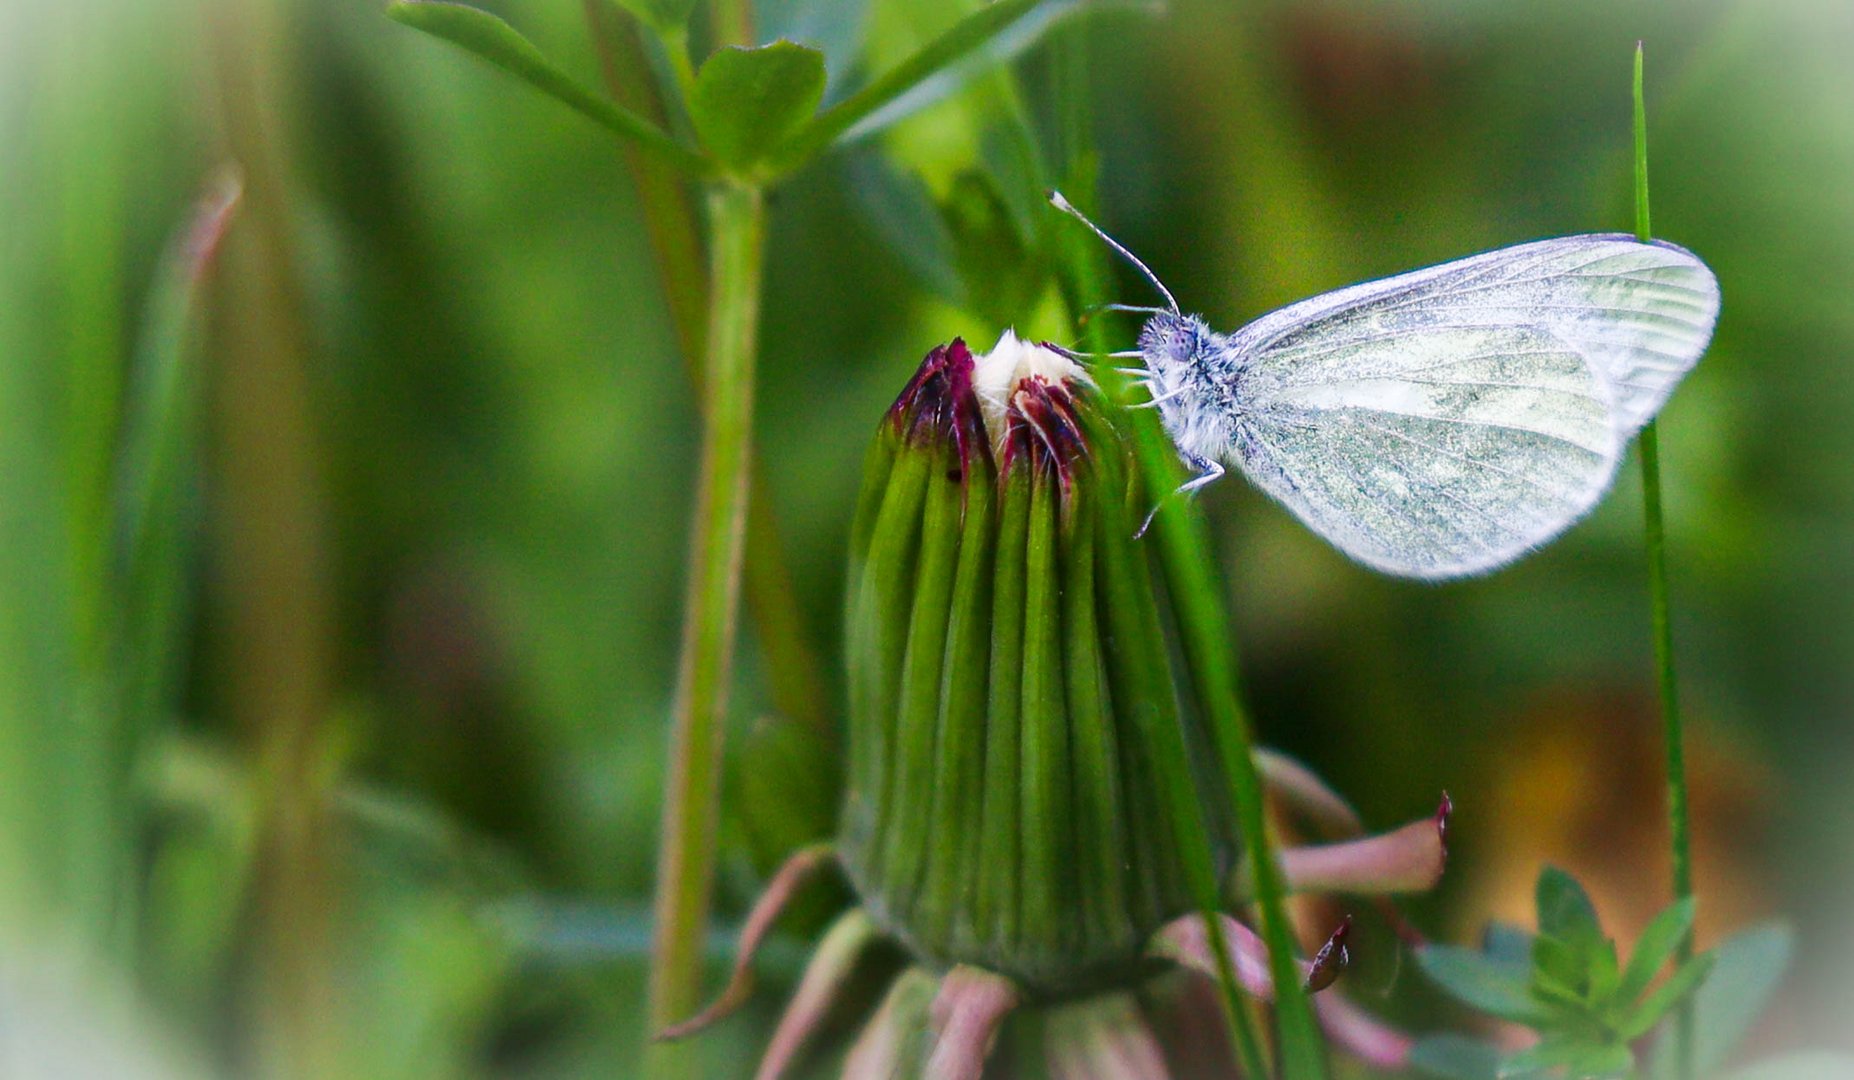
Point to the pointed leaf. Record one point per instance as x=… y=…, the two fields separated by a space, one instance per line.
x=1747 y=969
x=1653 y=948
x=1456 y=1057
x=491 y=39
x=1558 y=969
x=1682 y=982
x=1605 y=972
x=902 y=212
x=1477 y=981
x=1000 y=273
x=747 y=101
x=1565 y=910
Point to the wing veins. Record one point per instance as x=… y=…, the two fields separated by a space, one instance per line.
x=1463 y=458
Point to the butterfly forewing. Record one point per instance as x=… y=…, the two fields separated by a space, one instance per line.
x=1446 y=421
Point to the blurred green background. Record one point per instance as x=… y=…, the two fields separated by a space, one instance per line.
x=413 y=493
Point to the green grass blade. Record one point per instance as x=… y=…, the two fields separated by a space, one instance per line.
x=1655 y=532
x=154 y=487
x=1087 y=279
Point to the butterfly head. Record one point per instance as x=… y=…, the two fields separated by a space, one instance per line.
x=1171 y=344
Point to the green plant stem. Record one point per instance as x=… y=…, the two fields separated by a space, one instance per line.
x=682 y=68
x=1087 y=280
x=732 y=22
x=273 y=565
x=1655 y=532
x=794 y=674
x=691 y=809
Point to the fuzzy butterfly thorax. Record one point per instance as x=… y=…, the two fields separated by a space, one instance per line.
x=1195 y=377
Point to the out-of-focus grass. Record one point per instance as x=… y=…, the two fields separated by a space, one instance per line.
x=505 y=439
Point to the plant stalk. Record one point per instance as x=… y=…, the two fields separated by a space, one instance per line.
x=731 y=22
x=794 y=674
x=1655 y=533
x=691 y=810
x=273 y=561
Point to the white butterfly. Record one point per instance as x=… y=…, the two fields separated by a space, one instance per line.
x=1446 y=421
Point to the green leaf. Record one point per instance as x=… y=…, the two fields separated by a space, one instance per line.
x=1456 y=1057
x=1009 y=43
x=1653 y=949
x=1685 y=979
x=1485 y=984
x=663 y=16
x=489 y=38
x=1559 y=969
x=1806 y=1065
x=1605 y=974
x=747 y=101
x=1575 y=1056
x=985 y=32
x=159 y=444
x=1565 y=911
x=1747 y=967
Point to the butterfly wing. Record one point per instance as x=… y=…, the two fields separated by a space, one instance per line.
x=1444 y=422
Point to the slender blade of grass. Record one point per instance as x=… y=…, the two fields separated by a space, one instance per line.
x=154 y=485
x=489 y=38
x=1087 y=280
x=1655 y=533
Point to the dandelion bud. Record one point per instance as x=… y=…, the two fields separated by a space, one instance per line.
x=1005 y=656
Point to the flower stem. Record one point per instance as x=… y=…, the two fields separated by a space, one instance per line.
x=1655 y=531
x=692 y=805
x=732 y=22
x=794 y=674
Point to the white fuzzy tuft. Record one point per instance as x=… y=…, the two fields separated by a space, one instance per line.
x=996 y=374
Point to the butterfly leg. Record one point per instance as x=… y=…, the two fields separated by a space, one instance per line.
x=1155 y=402
x=1207 y=472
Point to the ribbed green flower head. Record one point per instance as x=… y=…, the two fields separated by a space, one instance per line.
x=1006 y=672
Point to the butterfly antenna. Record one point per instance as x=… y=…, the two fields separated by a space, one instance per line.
x=1062 y=204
